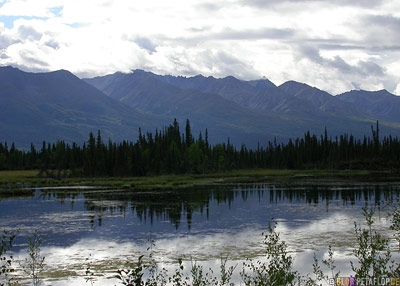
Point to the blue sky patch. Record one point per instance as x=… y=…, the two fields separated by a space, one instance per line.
x=75 y=25
x=56 y=11
x=8 y=21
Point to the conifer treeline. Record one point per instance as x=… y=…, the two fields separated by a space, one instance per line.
x=169 y=151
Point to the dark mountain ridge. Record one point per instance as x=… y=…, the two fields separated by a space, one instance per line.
x=291 y=98
x=376 y=104
x=223 y=118
x=290 y=108
x=59 y=106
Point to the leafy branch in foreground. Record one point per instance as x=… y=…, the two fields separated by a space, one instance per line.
x=34 y=264
x=395 y=226
x=373 y=252
x=6 y=267
x=279 y=268
x=226 y=274
x=135 y=274
x=319 y=274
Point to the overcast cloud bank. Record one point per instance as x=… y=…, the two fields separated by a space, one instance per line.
x=336 y=46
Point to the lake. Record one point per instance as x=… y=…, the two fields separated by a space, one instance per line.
x=106 y=228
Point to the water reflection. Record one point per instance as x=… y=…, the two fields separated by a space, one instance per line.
x=207 y=248
x=203 y=224
x=131 y=214
x=179 y=206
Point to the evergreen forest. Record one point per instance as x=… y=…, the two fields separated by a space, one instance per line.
x=170 y=151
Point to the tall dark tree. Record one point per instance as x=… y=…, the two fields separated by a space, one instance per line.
x=188 y=134
x=169 y=151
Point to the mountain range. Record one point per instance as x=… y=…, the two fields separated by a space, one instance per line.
x=60 y=106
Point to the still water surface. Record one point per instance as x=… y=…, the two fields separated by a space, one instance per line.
x=107 y=228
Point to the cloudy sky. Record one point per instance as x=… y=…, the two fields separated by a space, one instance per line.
x=335 y=45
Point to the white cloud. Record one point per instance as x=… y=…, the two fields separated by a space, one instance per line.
x=29 y=8
x=397 y=90
x=335 y=46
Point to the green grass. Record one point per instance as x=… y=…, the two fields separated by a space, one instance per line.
x=12 y=175
x=29 y=178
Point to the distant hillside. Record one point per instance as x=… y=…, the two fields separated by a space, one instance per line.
x=223 y=118
x=59 y=106
x=376 y=104
x=233 y=106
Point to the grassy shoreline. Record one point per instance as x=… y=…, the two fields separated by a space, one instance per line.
x=20 y=180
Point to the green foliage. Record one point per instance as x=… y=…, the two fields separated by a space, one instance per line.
x=195 y=157
x=373 y=252
x=319 y=275
x=278 y=270
x=395 y=226
x=226 y=274
x=148 y=274
x=6 y=267
x=134 y=275
x=178 y=279
x=34 y=264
